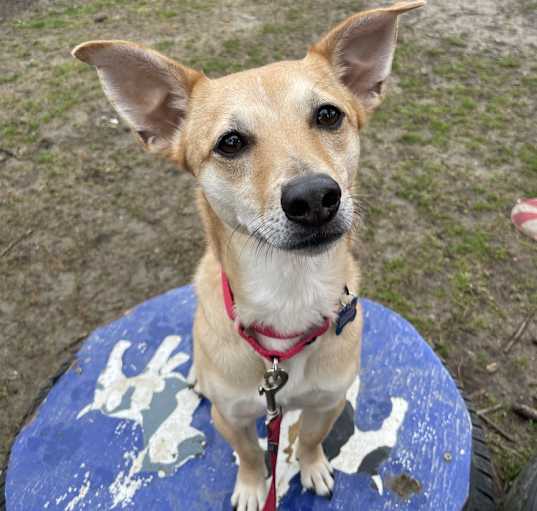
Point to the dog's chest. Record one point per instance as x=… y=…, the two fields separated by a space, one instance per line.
x=302 y=390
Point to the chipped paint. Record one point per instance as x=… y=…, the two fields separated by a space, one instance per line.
x=71 y=506
x=124 y=433
x=351 y=453
x=159 y=400
x=362 y=443
x=404 y=485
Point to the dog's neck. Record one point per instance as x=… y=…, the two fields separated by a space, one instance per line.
x=282 y=290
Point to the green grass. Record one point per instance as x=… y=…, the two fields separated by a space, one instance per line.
x=9 y=78
x=165 y=45
x=447 y=154
x=65 y=12
x=528 y=155
x=167 y=14
x=46 y=23
x=475 y=106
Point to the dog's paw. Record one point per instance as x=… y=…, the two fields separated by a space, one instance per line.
x=316 y=475
x=249 y=497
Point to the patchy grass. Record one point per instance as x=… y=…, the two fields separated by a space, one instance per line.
x=444 y=160
x=464 y=153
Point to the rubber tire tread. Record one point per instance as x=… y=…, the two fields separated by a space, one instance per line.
x=483 y=490
x=43 y=392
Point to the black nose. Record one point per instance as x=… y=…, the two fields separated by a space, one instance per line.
x=311 y=200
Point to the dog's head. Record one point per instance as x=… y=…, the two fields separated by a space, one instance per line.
x=274 y=148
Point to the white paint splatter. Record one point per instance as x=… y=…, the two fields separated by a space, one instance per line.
x=131 y=398
x=81 y=493
x=378 y=483
x=124 y=488
x=359 y=445
x=60 y=499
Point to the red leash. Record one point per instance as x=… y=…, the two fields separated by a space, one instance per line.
x=275 y=378
x=273 y=442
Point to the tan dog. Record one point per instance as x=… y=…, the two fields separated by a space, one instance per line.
x=275 y=150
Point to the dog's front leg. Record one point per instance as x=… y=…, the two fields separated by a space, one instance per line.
x=251 y=487
x=315 y=469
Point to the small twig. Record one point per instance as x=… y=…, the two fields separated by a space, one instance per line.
x=525 y=411
x=8 y=153
x=497 y=428
x=459 y=375
x=490 y=409
x=500 y=445
x=14 y=243
x=476 y=393
x=519 y=332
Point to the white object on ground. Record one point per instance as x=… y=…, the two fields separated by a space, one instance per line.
x=524 y=217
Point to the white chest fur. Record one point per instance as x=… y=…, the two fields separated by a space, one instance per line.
x=299 y=392
x=290 y=294
x=287 y=292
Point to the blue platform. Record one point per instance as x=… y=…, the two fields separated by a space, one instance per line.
x=123 y=430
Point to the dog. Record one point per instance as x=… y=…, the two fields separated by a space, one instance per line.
x=275 y=151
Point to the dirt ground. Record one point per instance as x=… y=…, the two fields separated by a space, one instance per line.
x=90 y=226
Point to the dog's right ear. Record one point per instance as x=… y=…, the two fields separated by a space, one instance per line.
x=149 y=91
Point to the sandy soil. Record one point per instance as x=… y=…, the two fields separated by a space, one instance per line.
x=91 y=226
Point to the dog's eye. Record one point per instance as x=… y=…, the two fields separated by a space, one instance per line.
x=328 y=116
x=231 y=144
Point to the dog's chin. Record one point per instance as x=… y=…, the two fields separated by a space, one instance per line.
x=312 y=244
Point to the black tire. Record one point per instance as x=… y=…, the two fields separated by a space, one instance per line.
x=483 y=489
x=43 y=392
x=523 y=494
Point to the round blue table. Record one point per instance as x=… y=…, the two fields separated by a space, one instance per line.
x=122 y=428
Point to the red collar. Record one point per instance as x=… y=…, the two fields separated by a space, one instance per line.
x=305 y=337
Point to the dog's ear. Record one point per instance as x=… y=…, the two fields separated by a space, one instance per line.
x=148 y=90
x=361 y=49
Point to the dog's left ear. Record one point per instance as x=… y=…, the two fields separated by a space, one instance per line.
x=361 y=49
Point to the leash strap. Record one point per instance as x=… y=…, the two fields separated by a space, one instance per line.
x=276 y=378
x=273 y=381
x=273 y=443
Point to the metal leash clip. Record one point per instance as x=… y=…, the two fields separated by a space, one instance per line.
x=274 y=379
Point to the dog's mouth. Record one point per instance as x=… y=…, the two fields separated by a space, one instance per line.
x=273 y=232
x=314 y=242
x=307 y=242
